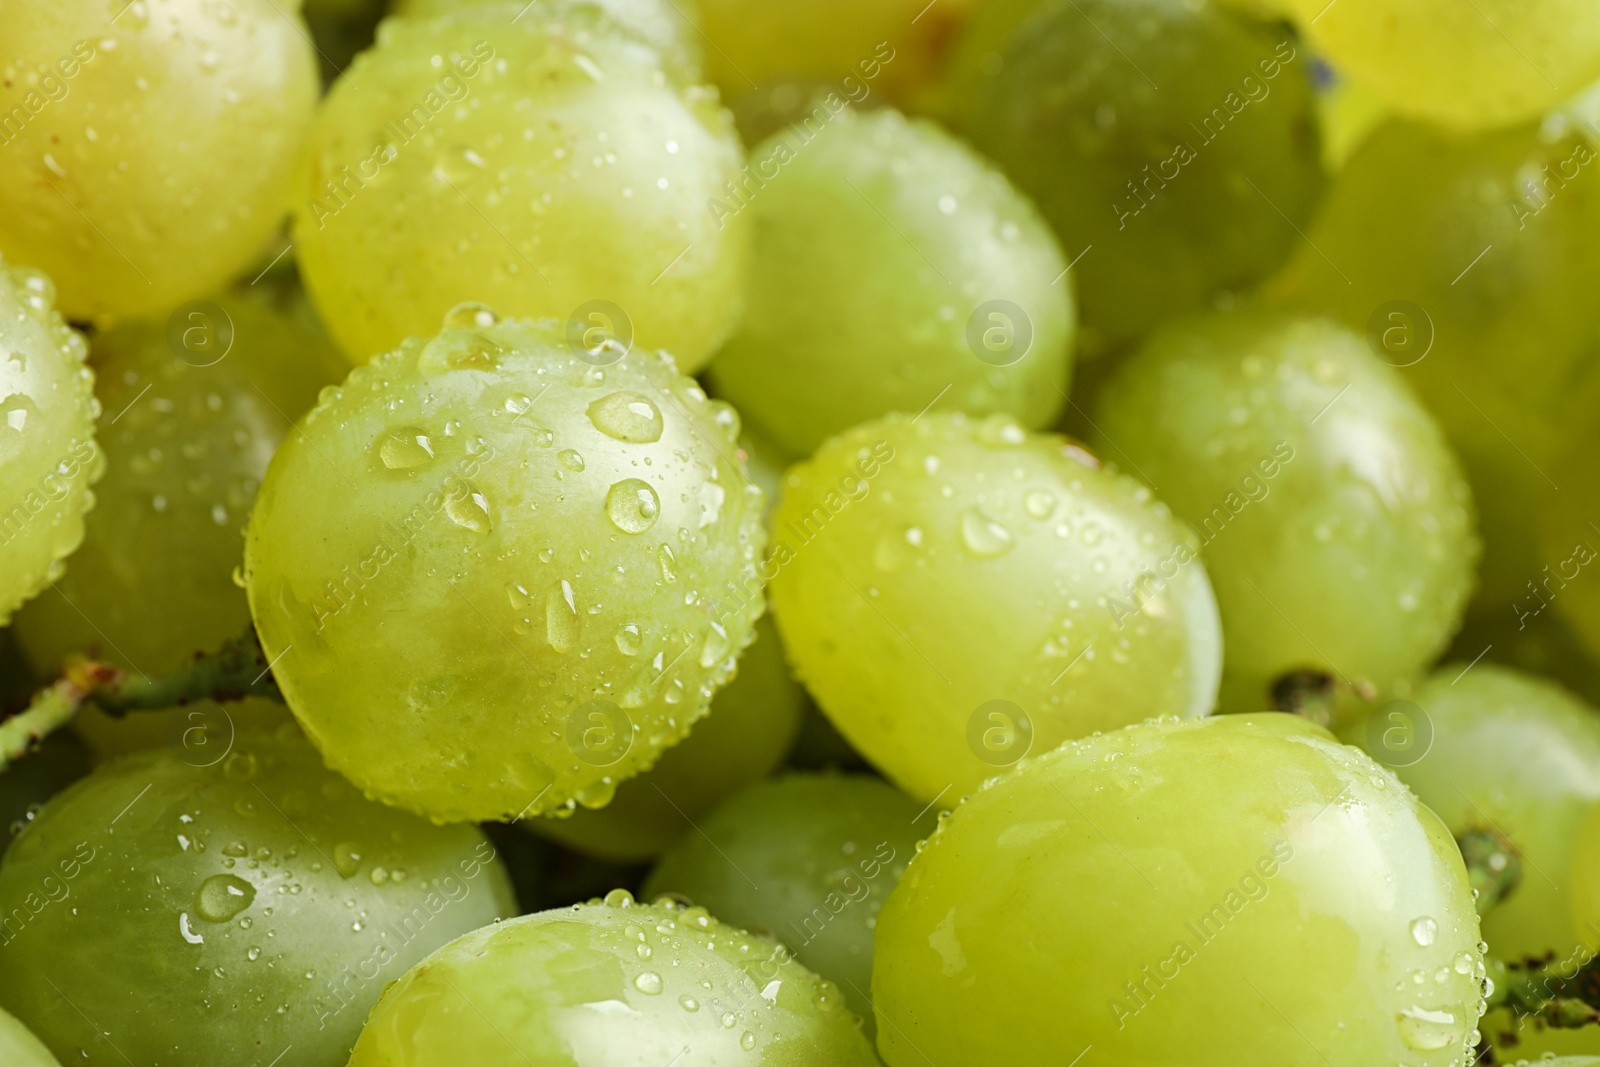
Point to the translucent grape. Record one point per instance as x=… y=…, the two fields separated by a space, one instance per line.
x=447 y=552
x=19 y=1048
x=1497 y=63
x=751 y=725
x=150 y=145
x=1172 y=145
x=1337 y=526
x=956 y=593
x=610 y=984
x=1466 y=262
x=191 y=415
x=547 y=166
x=893 y=267
x=256 y=904
x=48 y=457
x=1129 y=891
x=807 y=859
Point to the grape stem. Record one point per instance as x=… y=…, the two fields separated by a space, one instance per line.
x=1560 y=995
x=1494 y=866
x=235 y=671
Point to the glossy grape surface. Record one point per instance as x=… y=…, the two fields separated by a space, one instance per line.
x=539 y=166
x=1338 y=529
x=159 y=140
x=924 y=569
x=208 y=915
x=1129 y=891
x=893 y=267
x=807 y=859
x=612 y=984
x=48 y=456
x=501 y=578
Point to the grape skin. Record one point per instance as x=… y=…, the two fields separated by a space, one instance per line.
x=670 y=981
x=19 y=1048
x=48 y=455
x=1340 y=533
x=557 y=164
x=159 y=160
x=1027 y=921
x=450 y=552
x=925 y=567
x=877 y=242
x=187 y=918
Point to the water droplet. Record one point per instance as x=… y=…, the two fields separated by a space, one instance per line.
x=1428 y=1031
x=222 y=896
x=983 y=536
x=1039 y=503
x=633 y=506
x=629 y=640
x=188 y=932
x=347 y=858
x=561 y=621
x=405 y=449
x=648 y=982
x=747 y=1041
x=570 y=459
x=627 y=416
x=469 y=316
x=469 y=509
x=668 y=563
x=1424 y=930
x=688 y=1003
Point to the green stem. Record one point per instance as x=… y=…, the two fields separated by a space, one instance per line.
x=1493 y=866
x=22 y=732
x=1561 y=998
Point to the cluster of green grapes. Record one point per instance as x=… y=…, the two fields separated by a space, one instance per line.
x=1161 y=430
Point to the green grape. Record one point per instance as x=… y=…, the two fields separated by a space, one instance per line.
x=807 y=859
x=1338 y=529
x=1175 y=149
x=1495 y=63
x=546 y=166
x=150 y=146
x=611 y=984
x=1468 y=263
x=159 y=912
x=194 y=409
x=48 y=457
x=751 y=725
x=955 y=593
x=502 y=579
x=765 y=462
x=1546 y=645
x=1348 y=113
x=29 y=782
x=1567 y=538
x=19 y=1048
x=892 y=267
x=1233 y=890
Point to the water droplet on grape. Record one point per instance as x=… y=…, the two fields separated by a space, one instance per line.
x=1426 y=1030
x=469 y=316
x=627 y=416
x=570 y=459
x=469 y=509
x=633 y=506
x=405 y=449
x=222 y=896
x=1424 y=930
x=648 y=982
x=562 y=623
x=983 y=536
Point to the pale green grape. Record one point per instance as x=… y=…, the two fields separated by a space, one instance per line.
x=192 y=413
x=750 y=727
x=955 y=593
x=1491 y=63
x=807 y=859
x=540 y=166
x=1337 y=526
x=612 y=984
x=893 y=267
x=1469 y=263
x=1233 y=890
x=48 y=457
x=1173 y=145
x=502 y=579
x=19 y=1048
x=222 y=914
x=149 y=147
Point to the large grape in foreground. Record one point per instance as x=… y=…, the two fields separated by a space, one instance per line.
x=19 y=1048
x=148 y=146
x=500 y=578
x=48 y=457
x=955 y=593
x=1338 y=529
x=614 y=984
x=1234 y=890
x=547 y=166
x=893 y=267
x=202 y=916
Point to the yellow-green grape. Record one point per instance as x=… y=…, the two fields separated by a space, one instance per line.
x=611 y=984
x=956 y=593
x=224 y=914
x=1337 y=526
x=547 y=167
x=1468 y=262
x=893 y=267
x=500 y=578
x=1171 y=144
x=807 y=859
x=1492 y=63
x=19 y=1048
x=48 y=456
x=751 y=725
x=1234 y=890
x=1568 y=542
x=149 y=147
x=1348 y=113
x=192 y=409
